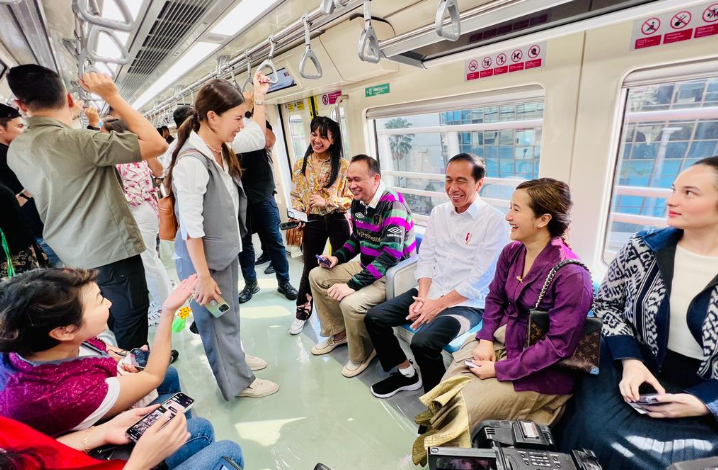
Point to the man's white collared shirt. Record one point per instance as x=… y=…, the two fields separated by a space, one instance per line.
x=459 y=251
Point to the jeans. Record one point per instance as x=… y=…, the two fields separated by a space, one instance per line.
x=426 y=344
x=123 y=283
x=264 y=218
x=200 y=451
x=334 y=227
x=158 y=281
x=52 y=257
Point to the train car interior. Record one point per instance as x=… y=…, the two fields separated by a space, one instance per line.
x=616 y=98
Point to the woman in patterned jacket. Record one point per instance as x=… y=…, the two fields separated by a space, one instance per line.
x=659 y=305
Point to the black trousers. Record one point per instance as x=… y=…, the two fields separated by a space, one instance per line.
x=124 y=284
x=263 y=217
x=334 y=227
x=428 y=342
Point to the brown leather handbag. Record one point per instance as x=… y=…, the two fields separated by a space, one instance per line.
x=168 y=221
x=586 y=357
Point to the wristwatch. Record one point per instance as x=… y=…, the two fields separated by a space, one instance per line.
x=93 y=128
x=260 y=103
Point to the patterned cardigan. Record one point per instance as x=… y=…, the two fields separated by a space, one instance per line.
x=634 y=303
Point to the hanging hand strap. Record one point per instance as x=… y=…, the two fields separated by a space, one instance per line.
x=10 y=267
x=552 y=274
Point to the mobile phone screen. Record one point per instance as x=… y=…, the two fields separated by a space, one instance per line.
x=176 y=404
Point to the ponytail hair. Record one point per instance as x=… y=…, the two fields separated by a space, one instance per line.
x=552 y=197
x=216 y=95
x=326 y=126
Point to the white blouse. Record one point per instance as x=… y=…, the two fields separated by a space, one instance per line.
x=691 y=274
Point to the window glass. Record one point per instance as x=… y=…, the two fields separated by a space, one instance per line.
x=297 y=135
x=666 y=128
x=414 y=150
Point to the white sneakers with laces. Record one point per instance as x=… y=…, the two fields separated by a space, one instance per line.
x=297 y=326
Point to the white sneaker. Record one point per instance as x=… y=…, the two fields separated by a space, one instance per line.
x=297 y=326
x=153 y=317
x=327 y=345
x=259 y=388
x=255 y=363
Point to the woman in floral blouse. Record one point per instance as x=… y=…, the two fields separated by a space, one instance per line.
x=320 y=189
x=141 y=195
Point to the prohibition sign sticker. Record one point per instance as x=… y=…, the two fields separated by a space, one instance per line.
x=681 y=19
x=486 y=62
x=473 y=65
x=711 y=13
x=501 y=59
x=517 y=55
x=534 y=51
x=325 y=100
x=650 y=26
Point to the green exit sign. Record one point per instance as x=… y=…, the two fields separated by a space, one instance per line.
x=382 y=89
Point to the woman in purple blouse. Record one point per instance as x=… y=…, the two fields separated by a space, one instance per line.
x=511 y=380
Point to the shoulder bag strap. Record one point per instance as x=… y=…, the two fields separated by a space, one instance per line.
x=552 y=274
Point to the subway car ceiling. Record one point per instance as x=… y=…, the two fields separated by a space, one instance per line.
x=578 y=61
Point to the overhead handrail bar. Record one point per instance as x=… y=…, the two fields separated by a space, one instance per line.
x=82 y=9
x=93 y=37
x=247 y=81
x=369 y=50
x=286 y=37
x=309 y=55
x=273 y=76
x=453 y=33
x=10 y=2
x=328 y=6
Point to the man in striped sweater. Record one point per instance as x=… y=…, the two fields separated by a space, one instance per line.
x=345 y=289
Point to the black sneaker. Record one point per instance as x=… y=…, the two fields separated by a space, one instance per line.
x=288 y=290
x=395 y=383
x=174 y=355
x=270 y=269
x=249 y=290
x=193 y=328
x=264 y=258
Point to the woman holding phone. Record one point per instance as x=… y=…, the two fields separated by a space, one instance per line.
x=319 y=188
x=211 y=207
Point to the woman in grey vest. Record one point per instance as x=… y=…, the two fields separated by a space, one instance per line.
x=211 y=206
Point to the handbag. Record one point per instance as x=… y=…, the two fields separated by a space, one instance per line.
x=168 y=221
x=586 y=357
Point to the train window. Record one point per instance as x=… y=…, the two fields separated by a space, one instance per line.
x=414 y=148
x=667 y=127
x=343 y=128
x=297 y=135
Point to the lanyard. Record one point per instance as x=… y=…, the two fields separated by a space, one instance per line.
x=10 y=267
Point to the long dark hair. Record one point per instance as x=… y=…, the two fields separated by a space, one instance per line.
x=34 y=303
x=218 y=96
x=325 y=126
x=117 y=125
x=552 y=197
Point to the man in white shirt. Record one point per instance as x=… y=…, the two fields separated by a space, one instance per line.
x=457 y=260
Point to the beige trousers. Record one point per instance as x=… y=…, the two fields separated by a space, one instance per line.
x=462 y=400
x=347 y=315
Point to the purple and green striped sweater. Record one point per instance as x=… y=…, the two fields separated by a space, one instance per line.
x=383 y=234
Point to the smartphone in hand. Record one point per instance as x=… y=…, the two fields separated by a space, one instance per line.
x=218 y=307
x=176 y=404
x=323 y=260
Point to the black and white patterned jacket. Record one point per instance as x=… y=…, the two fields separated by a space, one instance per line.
x=634 y=304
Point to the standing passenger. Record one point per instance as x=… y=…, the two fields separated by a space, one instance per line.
x=71 y=173
x=319 y=188
x=142 y=197
x=211 y=207
x=345 y=289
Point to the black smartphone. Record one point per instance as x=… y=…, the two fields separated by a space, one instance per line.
x=288 y=225
x=139 y=358
x=227 y=464
x=176 y=404
x=648 y=399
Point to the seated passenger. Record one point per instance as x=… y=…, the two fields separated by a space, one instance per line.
x=659 y=305
x=20 y=252
x=345 y=289
x=180 y=445
x=510 y=380
x=456 y=263
x=71 y=174
x=55 y=375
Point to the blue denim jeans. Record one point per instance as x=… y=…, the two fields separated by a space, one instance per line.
x=52 y=257
x=263 y=217
x=201 y=452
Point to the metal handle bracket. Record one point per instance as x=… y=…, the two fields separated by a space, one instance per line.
x=82 y=9
x=454 y=32
x=369 y=50
x=328 y=6
x=93 y=38
x=309 y=55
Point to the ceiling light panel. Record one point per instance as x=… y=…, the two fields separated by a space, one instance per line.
x=243 y=15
